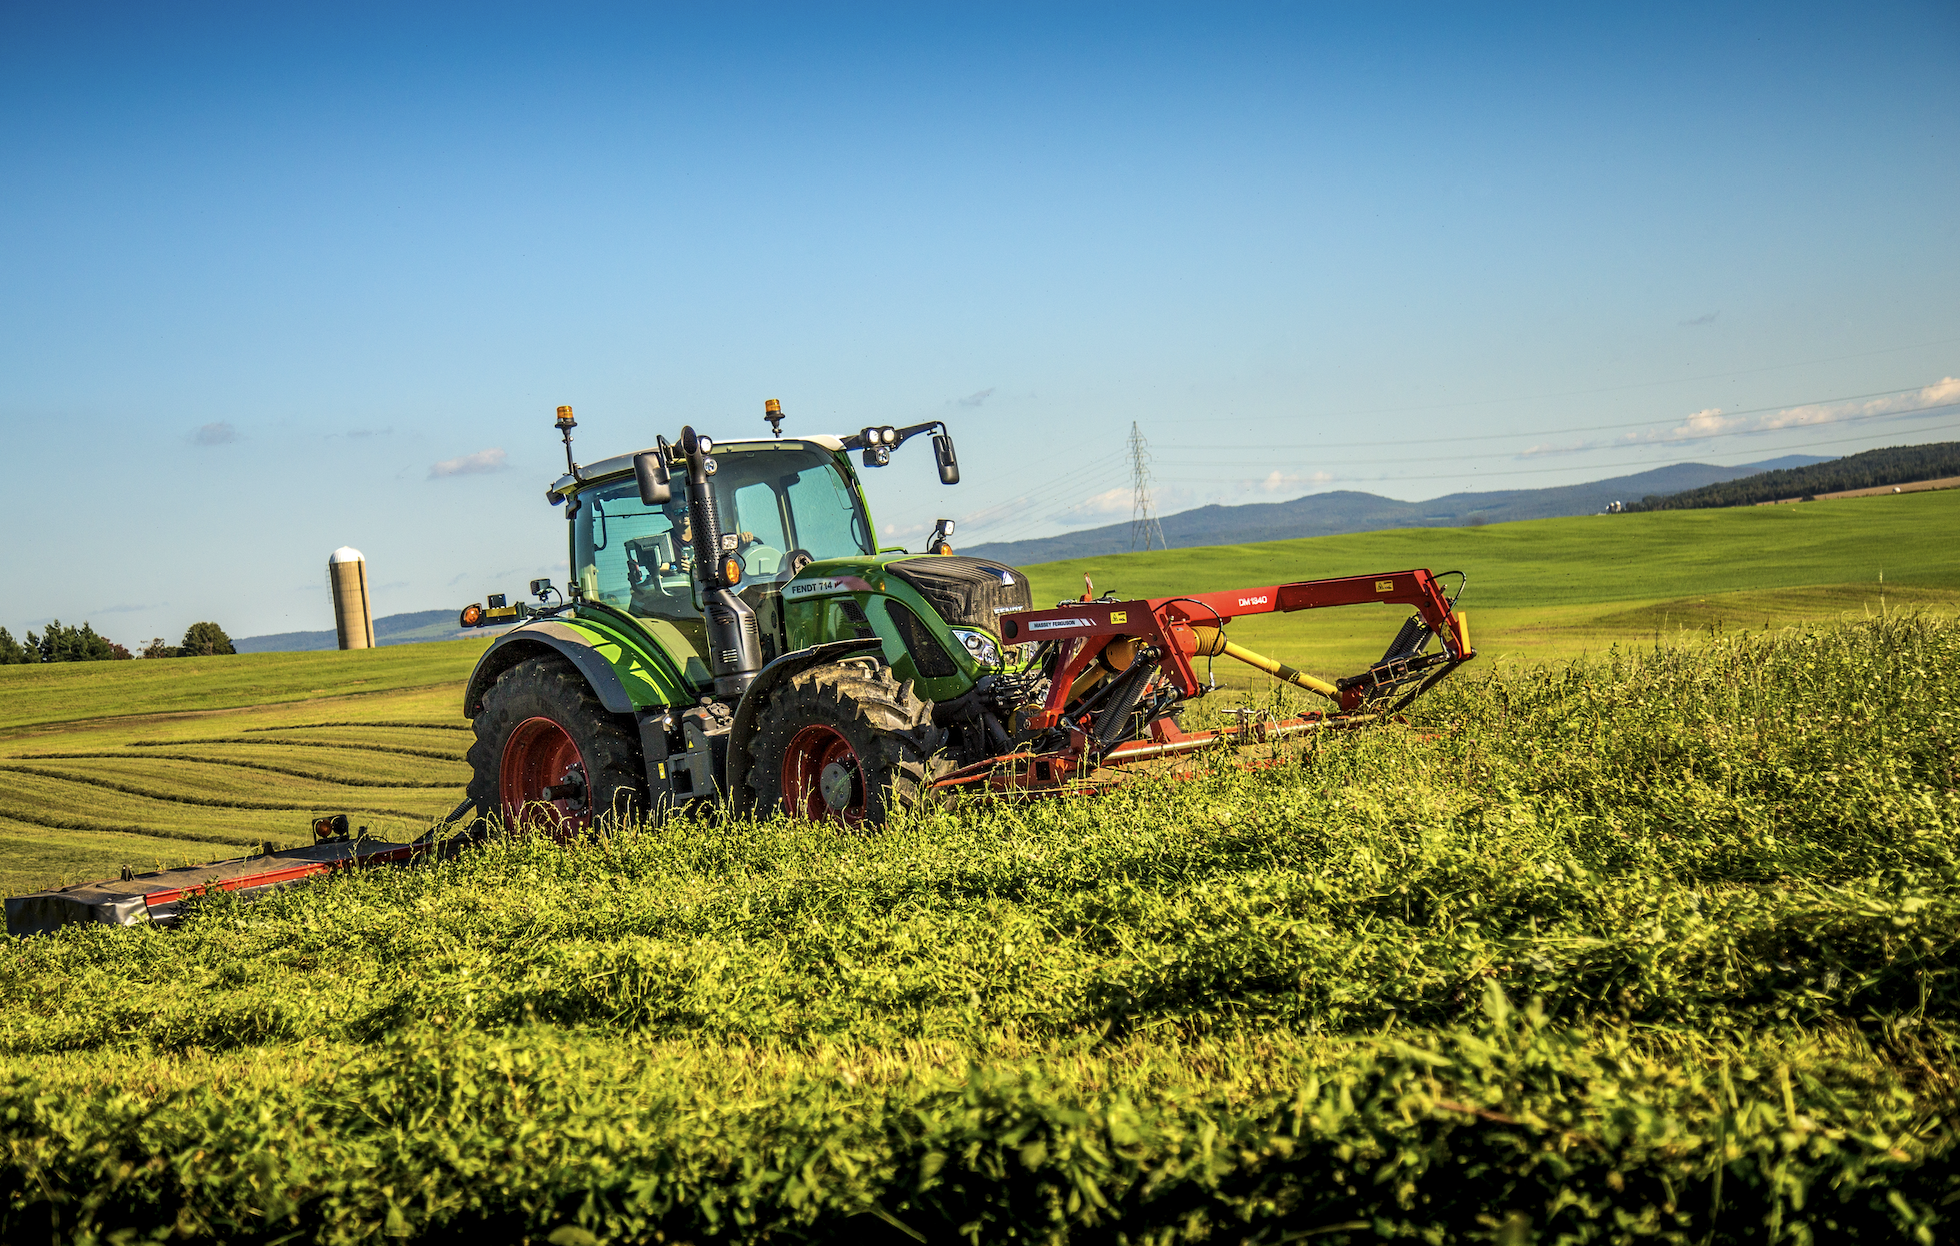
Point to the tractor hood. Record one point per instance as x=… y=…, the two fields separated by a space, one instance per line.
x=965 y=592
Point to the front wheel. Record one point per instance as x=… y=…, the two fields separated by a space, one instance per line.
x=846 y=743
x=549 y=756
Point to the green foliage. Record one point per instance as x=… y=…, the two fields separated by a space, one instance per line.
x=62 y=644
x=1893 y=465
x=1663 y=944
x=204 y=640
x=13 y=653
x=160 y=648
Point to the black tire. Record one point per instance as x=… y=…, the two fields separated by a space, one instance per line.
x=607 y=749
x=888 y=730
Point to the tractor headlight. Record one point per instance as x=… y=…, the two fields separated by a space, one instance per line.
x=981 y=647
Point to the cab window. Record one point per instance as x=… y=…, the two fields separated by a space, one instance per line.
x=776 y=500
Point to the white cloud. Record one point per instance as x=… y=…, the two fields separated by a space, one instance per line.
x=1110 y=502
x=1711 y=422
x=478 y=464
x=215 y=434
x=1277 y=481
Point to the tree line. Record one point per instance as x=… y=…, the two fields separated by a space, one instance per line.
x=1873 y=469
x=57 y=643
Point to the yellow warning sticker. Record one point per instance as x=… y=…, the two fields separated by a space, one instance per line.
x=1118 y=616
x=1384 y=586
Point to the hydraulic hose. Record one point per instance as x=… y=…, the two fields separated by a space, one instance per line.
x=1112 y=722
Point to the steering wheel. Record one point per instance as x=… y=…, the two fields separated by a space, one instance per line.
x=795 y=561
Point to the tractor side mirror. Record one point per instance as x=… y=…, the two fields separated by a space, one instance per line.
x=949 y=463
x=650 y=471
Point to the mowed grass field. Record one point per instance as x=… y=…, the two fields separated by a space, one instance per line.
x=151 y=764
x=159 y=764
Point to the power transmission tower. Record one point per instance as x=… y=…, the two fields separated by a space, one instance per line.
x=1143 y=522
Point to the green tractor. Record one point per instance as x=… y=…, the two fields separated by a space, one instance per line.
x=733 y=632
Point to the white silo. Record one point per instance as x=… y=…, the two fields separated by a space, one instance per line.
x=353 y=617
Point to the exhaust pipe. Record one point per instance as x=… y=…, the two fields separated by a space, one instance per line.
x=734 y=636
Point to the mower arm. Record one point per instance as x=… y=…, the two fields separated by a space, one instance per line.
x=1182 y=627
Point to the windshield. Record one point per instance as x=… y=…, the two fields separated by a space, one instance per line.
x=777 y=500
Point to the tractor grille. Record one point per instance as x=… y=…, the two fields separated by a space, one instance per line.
x=928 y=655
x=967 y=592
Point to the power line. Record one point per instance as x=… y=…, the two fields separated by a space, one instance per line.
x=1016 y=508
x=1555 y=432
x=1035 y=521
x=1543 y=471
x=1019 y=506
x=1615 y=389
x=1659 y=442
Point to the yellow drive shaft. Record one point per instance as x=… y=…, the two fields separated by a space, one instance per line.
x=1211 y=642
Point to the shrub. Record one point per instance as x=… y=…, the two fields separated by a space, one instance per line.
x=203 y=640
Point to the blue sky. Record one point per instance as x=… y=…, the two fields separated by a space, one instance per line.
x=268 y=268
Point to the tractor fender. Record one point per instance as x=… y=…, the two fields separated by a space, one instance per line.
x=546 y=636
x=749 y=710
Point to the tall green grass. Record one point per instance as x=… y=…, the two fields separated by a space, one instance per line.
x=1656 y=945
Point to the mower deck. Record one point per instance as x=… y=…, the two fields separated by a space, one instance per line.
x=156 y=897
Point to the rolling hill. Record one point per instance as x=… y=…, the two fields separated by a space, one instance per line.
x=411 y=628
x=1341 y=511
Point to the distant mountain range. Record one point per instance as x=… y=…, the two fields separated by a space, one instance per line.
x=1325 y=514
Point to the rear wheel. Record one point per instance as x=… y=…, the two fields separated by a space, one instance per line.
x=846 y=743
x=549 y=756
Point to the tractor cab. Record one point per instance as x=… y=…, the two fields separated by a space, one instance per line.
x=780 y=505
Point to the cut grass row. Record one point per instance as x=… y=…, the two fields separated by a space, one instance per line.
x=82 y=801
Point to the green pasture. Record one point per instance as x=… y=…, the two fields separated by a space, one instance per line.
x=1655 y=945
x=1554 y=588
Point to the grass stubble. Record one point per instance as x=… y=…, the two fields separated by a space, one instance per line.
x=1654 y=945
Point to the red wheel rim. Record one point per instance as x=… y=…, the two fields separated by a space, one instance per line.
x=540 y=762
x=823 y=780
